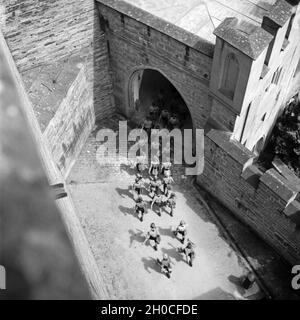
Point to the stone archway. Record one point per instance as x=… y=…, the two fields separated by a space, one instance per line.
x=144 y=85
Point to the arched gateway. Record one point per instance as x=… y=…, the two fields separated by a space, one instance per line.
x=145 y=87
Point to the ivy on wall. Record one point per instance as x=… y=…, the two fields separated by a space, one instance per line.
x=285 y=138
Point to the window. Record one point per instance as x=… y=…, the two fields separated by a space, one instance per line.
x=245 y=122
x=287 y=34
x=289 y=28
x=268 y=55
x=230 y=76
x=297 y=69
x=278 y=94
x=276 y=76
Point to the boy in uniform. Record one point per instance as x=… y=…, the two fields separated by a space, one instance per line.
x=166 y=183
x=171 y=203
x=153 y=235
x=160 y=202
x=189 y=253
x=154 y=187
x=147 y=126
x=166 y=168
x=165 y=264
x=182 y=230
x=138 y=184
x=140 y=208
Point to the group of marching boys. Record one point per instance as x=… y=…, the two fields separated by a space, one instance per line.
x=161 y=195
x=159 y=189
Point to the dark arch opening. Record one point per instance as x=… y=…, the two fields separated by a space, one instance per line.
x=147 y=86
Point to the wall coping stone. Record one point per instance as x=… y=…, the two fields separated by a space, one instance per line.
x=173 y=31
x=280 y=12
x=279 y=185
x=292 y=211
x=286 y=172
x=236 y=150
x=246 y=37
x=252 y=175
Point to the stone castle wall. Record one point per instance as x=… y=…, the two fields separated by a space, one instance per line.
x=267 y=202
x=35 y=269
x=134 y=45
x=39 y=32
x=68 y=130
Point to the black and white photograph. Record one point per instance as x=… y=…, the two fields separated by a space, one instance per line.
x=150 y=153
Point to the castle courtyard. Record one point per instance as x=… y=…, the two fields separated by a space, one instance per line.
x=216 y=82
x=104 y=203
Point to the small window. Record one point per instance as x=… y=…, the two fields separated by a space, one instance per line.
x=230 y=76
x=269 y=52
x=297 y=69
x=245 y=121
x=276 y=76
x=289 y=28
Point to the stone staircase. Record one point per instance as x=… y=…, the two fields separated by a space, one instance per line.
x=110 y=168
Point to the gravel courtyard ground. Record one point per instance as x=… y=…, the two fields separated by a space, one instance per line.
x=105 y=206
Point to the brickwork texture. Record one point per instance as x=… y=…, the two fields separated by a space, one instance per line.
x=263 y=200
x=133 y=46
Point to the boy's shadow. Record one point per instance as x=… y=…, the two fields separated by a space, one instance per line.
x=128 y=211
x=136 y=236
x=128 y=169
x=150 y=263
x=237 y=281
x=166 y=232
x=172 y=253
x=125 y=192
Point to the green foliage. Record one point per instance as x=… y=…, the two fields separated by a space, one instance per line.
x=285 y=138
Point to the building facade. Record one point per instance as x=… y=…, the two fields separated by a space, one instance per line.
x=235 y=63
x=234 y=70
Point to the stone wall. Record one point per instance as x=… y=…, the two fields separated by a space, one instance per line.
x=134 y=45
x=72 y=123
x=65 y=205
x=265 y=201
x=40 y=32
x=36 y=251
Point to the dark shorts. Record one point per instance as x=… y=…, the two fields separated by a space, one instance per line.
x=183 y=233
x=165 y=267
x=138 y=190
x=155 y=239
x=140 y=210
x=191 y=255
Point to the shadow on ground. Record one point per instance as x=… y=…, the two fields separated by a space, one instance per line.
x=150 y=264
x=215 y=294
x=137 y=236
